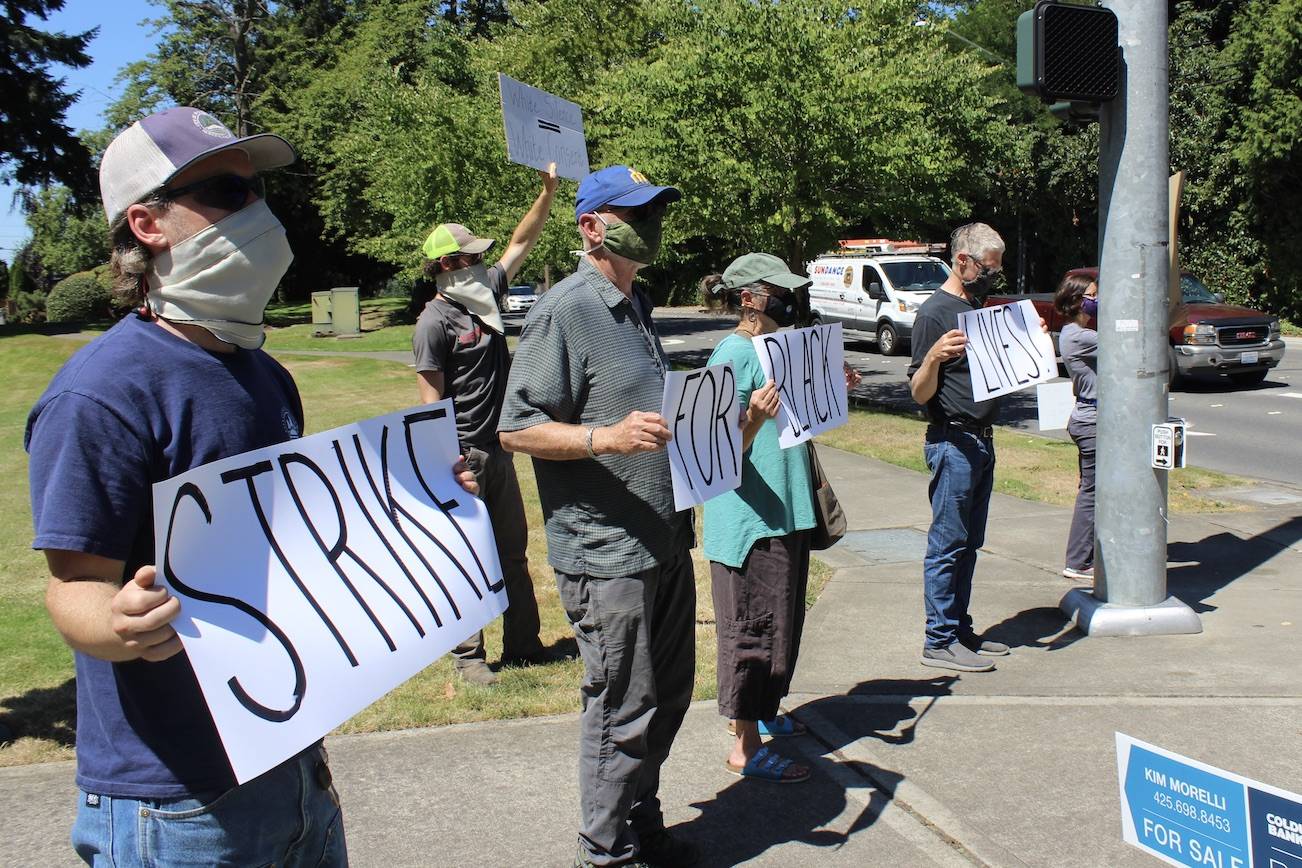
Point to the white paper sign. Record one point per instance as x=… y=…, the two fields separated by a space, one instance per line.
x=1054 y=403
x=1006 y=350
x=542 y=129
x=316 y=575
x=808 y=367
x=705 y=420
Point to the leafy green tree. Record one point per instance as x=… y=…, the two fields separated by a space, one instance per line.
x=36 y=146
x=66 y=237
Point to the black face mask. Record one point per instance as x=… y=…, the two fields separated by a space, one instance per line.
x=980 y=286
x=781 y=310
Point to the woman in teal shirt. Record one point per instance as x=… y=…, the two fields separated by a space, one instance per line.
x=757 y=536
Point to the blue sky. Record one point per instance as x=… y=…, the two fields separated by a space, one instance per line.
x=121 y=40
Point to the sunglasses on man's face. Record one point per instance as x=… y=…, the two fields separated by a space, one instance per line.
x=224 y=192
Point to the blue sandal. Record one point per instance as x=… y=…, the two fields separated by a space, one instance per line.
x=768 y=766
x=779 y=727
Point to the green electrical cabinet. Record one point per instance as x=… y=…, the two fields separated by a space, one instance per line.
x=322 y=321
x=345 y=311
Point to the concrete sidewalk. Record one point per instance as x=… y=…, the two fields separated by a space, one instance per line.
x=914 y=766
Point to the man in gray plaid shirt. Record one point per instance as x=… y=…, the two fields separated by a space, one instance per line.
x=582 y=399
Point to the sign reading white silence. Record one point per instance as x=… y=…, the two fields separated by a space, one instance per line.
x=808 y=367
x=1006 y=350
x=542 y=129
x=316 y=575
x=703 y=415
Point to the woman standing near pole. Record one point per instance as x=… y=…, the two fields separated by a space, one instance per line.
x=1077 y=299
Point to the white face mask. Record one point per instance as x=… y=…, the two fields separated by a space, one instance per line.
x=222 y=277
x=469 y=287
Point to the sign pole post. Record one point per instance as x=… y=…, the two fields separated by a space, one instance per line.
x=1130 y=595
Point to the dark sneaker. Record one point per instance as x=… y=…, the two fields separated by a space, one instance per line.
x=955 y=656
x=988 y=647
x=1085 y=575
x=662 y=850
x=476 y=672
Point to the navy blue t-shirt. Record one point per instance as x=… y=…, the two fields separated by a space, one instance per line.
x=136 y=406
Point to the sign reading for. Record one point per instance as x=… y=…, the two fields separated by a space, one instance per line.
x=705 y=454
x=316 y=575
x=1006 y=350
x=1188 y=813
x=808 y=367
x=542 y=129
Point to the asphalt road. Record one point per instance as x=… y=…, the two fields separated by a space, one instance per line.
x=1254 y=432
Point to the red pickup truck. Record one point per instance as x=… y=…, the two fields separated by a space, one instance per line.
x=1208 y=337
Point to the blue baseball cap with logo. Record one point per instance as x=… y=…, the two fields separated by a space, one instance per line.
x=621 y=187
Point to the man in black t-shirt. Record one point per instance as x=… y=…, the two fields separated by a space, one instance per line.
x=461 y=353
x=959 y=449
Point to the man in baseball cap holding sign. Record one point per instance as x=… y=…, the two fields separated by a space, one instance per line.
x=583 y=399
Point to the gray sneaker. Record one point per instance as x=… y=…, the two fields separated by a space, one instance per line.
x=1085 y=575
x=986 y=647
x=955 y=656
x=476 y=672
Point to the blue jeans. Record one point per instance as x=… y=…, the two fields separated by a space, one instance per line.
x=962 y=468
x=288 y=816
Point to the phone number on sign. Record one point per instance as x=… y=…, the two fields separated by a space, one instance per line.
x=1193 y=812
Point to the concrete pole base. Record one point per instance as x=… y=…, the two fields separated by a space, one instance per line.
x=1094 y=617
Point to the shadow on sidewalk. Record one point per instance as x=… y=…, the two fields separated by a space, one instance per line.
x=1042 y=627
x=1211 y=563
x=748 y=817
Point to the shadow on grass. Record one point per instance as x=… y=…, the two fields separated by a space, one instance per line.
x=47 y=713
x=747 y=818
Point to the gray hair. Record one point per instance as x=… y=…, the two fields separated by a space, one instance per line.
x=130 y=259
x=976 y=240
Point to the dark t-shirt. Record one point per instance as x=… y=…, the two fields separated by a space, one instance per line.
x=473 y=358
x=953 y=398
x=136 y=406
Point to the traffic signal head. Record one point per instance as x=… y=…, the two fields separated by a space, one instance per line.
x=1068 y=52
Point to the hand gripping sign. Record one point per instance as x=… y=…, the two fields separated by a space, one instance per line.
x=1006 y=350
x=542 y=129
x=316 y=575
x=705 y=420
x=808 y=367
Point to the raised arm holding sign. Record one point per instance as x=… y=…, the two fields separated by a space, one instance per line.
x=360 y=561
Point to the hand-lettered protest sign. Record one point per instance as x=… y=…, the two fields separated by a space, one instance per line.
x=808 y=367
x=1186 y=812
x=318 y=574
x=1006 y=350
x=542 y=129
x=705 y=420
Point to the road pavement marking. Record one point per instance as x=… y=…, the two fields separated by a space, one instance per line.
x=671 y=342
x=1273 y=412
x=1291 y=395
x=1189 y=433
x=1216 y=405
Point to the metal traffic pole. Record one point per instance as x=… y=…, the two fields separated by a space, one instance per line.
x=1130 y=595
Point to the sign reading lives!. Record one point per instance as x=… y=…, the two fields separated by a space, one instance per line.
x=808 y=367
x=703 y=415
x=316 y=575
x=1006 y=350
x=542 y=129
x=1188 y=813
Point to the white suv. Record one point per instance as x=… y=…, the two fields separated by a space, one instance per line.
x=875 y=294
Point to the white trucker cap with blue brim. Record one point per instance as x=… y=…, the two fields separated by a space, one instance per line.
x=153 y=150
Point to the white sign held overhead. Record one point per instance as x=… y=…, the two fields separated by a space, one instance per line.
x=808 y=367
x=316 y=575
x=542 y=129
x=1006 y=350
x=705 y=420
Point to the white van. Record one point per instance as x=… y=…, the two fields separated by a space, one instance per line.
x=873 y=288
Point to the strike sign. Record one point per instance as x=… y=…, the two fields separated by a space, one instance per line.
x=1187 y=813
x=316 y=575
x=808 y=367
x=1006 y=350
x=705 y=420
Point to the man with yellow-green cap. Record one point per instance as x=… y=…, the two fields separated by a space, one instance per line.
x=461 y=353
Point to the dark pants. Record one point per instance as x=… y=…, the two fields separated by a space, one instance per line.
x=637 y=638
x=962 y=466
x=1080 y=540
x=500 y=491
x=760 y=610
